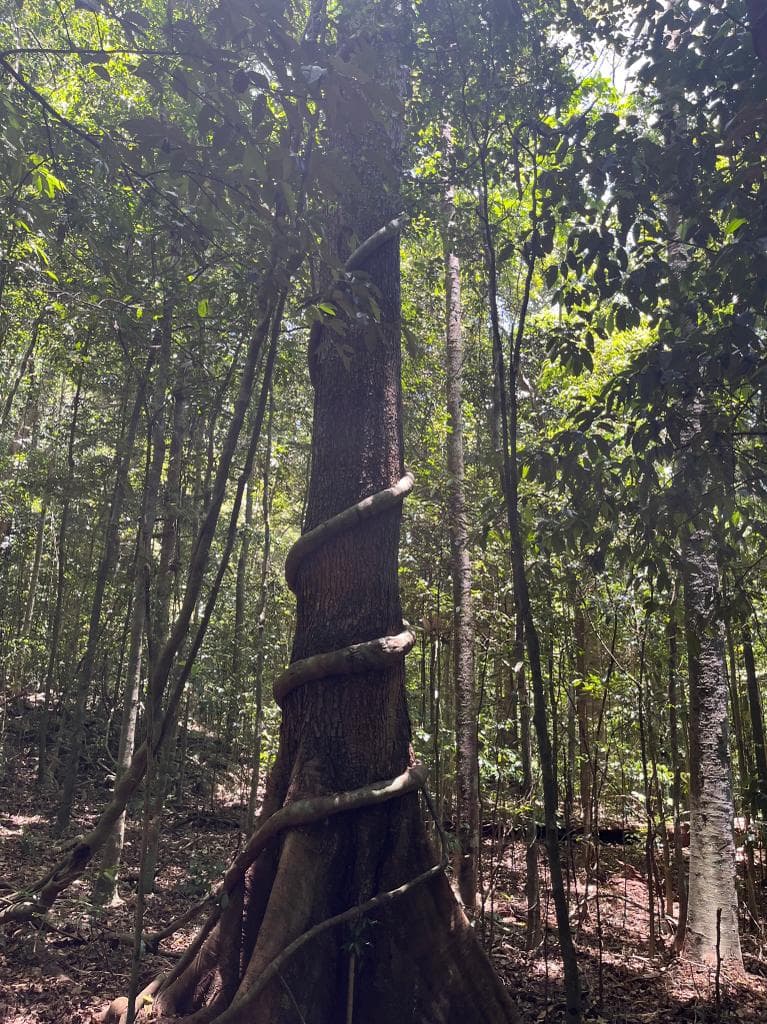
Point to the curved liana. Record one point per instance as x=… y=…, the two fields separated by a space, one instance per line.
x=358 y=657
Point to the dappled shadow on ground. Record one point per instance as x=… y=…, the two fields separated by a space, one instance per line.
x=623 y=984
x=70 y=972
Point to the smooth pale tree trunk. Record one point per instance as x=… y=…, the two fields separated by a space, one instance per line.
x=61 y=574
x=712 y=890
x=466 y=861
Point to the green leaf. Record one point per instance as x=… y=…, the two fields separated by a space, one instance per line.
x=203 y=307
x=733 y=225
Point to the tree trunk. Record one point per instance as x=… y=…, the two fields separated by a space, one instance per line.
x=510 y=487
x=106 y=880
x=650 y=817
x=106 y=565
x=532 y=884
x=345 y=723
x=263 y=603
x=712 y=849
x=467 y=758
x=677 y=759
x=757 y=725
x=61 y=572
x=29 y=607
x=166 y=572
x=105 y=883
x=584 y=703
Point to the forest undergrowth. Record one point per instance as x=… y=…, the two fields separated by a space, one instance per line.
x=69 y=968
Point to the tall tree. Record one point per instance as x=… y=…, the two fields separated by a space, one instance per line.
x=712 y=909
x=342 y=834
x=467 y=762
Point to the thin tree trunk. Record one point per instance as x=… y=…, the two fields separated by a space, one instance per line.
x=55 y=637
x=677 y=758
x=105 y=883
x=466 y=861
x=650 y=817
x=166 y=573
x=712 y=850
x=532 y=883
x=263 y=602
x=746 y=773
x=34 y=576
x=510 y=488
x=584 y=703
x=757 y=724
x=106 y=565
x=106 y=880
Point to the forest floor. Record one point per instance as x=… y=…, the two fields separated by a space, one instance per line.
x=69 y=974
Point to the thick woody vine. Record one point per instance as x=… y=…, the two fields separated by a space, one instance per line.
x=382 y=652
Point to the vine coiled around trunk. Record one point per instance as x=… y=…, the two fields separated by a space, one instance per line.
x=379 y=653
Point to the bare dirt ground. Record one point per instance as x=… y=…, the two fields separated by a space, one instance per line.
x=68 y=973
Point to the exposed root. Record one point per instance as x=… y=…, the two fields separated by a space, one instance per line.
x=294 y=815
x=241 y=1003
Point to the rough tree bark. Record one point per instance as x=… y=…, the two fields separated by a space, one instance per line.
x=712 y=902
x=271 y=955
x=467 y=757
x=712 y=848
x=677 y=761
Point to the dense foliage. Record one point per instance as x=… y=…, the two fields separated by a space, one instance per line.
x=166 y=185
